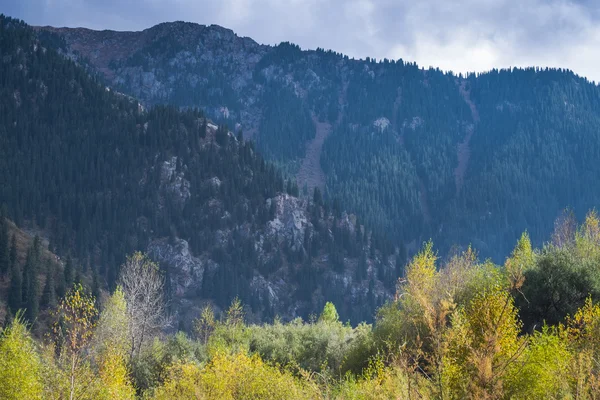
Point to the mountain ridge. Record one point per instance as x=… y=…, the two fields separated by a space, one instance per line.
x=105 y=177
x=403 y=153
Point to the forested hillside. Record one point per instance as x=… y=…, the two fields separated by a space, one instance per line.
x=100 y=176
x=417 y=153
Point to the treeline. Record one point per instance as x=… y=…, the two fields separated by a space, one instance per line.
x=461 y=328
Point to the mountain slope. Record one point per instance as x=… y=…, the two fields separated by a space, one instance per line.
x=418 y=153
x=105 y=177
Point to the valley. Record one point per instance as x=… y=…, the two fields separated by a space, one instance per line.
x=188 y=214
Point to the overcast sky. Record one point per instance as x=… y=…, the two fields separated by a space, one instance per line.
x=458 y=35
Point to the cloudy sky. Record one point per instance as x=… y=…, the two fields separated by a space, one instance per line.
x=458 y=35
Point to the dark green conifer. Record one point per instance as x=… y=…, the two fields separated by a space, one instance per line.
x=96 y=284
x=31 y=286
x=13 y=251
x=15 y=293
x=69 y=272
x=49 y=294
x=4 y=247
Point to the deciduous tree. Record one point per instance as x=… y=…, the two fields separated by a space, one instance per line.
x=19 y=363
x=73 y=330
x=143 y=289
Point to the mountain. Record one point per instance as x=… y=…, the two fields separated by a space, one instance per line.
x=418 y=153
x=101 y=176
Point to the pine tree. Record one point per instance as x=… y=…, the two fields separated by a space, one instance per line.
x=13 y=251
x=400 y=261
x=25 y=278
x=69 y=273
x=31 y=286
x=371 y=296
x=317 y=197
x=361 y=271
x=203 y=128
x=222 y=136
x=37 y=250
x=78 y=276
x=49 y=294
x=33 y=299
x=95 y=284
x=8 y=318
x=4 y=247
x=16 y=288
x=61 y=287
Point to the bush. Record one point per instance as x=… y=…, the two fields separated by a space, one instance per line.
x=555 y=287
x=324 y=345
x=231 y=377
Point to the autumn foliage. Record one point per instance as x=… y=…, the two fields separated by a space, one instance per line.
x=458 y=328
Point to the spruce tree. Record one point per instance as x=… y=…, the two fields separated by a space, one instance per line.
x=78 y=276
x=317 y=196
x=13 y=251
x=61 y=286
x=362 y=269
x=33 y=299
x=95 y=284
x=37 y=250
x=4 y=247
x=31 y=286
x=8 y=318
x=203 y=128
x=26 y=276
x=69 y=273
x=400 y=261
x=49 y=294
x=16 y=288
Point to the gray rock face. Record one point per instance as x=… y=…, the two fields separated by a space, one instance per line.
x=179 y=63
x=276 y=291
x=290 y=220
x=157 y=64
x=173 y=184
x=185 y=271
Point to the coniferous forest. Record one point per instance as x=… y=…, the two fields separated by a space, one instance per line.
x=102 y=177
x=416 y=153
x=148 y=250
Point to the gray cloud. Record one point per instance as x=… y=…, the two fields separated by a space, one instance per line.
x=459 y=35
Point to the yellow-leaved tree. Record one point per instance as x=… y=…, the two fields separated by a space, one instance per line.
x=19 y=363
x=483 y=346
x=581 y=332
x=587 y=238
x=73 y=332
x=112 y=348
x=409 y=321
x=521 y=260
x=413 y=328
